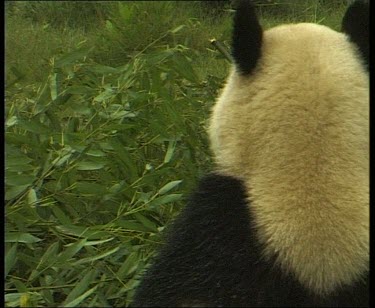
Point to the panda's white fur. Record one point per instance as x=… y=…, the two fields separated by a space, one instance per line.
x=296 y=131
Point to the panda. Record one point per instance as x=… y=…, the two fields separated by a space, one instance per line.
x=283 y=221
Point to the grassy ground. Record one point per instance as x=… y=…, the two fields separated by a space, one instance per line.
x=106 y=106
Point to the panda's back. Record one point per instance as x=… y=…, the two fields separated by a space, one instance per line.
x=296 y=132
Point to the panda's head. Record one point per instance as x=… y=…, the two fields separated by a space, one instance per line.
x=292 y=123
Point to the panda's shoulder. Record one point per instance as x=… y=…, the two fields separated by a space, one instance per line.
x=216 y=211
x=217 y=196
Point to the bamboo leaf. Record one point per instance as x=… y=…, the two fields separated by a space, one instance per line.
x=146 y=222
x=32 y=198
x=168 y=187
x=11 y=121
x=72 y=57
x=89 y=165
x=90 y=188
x=103 y=69
x=80 y=288
x=19 y=179
x=93 y=243
x=17 y=237
x=53 y=86
x=177 y=29
x=10 y=259
x=81 y=298
x=131 y=225
x=60 y=215
x=46 y=261
x=71 y=251
x=170 y=151
x=129 y=266
x=165 y=199
x=33 y=126
x=97 y=257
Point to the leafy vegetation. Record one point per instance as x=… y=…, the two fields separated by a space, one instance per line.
x=104 y=138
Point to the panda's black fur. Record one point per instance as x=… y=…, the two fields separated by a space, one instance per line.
x=212 y=255
x=246 y=50
x=356 y=24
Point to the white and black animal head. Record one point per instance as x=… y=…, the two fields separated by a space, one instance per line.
x=293 y=123
x=284 y=220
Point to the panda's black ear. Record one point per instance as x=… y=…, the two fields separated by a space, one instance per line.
x=356 y=24
x=247 y=37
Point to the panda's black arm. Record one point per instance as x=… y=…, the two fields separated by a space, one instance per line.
x=204 y=249
x=211 y=258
